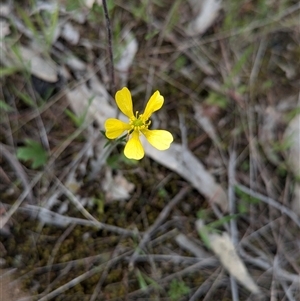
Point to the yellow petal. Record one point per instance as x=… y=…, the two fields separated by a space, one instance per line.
x=134 y=148
x=155 y=103
x=124 y=102
x=160 y=139
x=115 y=127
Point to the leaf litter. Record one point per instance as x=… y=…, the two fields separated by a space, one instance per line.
x=88 y=97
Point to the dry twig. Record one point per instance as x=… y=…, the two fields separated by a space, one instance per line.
x=162 y=216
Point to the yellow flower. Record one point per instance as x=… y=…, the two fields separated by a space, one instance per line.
x=137 y=124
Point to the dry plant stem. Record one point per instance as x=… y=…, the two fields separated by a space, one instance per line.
x=204 y=287
x=279 y=237
x=187 y=244
x=57 y=153
x=53 y=100
x=281 y=281
x=85 y=213
x=35 y=210
x=166 y=236
x=101 y=160
x=293 y=216
x=283 y=233
x=183 y=131
x=18 y=169
x=97 y=290
x=231 y=33
x=21 y=198
x=66 y=233
x=175 y=259
x=161 y=184
x=262 y=230
x=273 y=289
x=81 y=278
x=220 y=215
x=66 y=270
x=231 y=196
x=198 y=61
x=75 y=201
x=234 y=289
x=175 y=83
x=257 y=63
x=215 y=284
x=65 y=144
x=263 y=264
x=287 y=291
x=202 y=264
x=158 y=45
x=96 y=259
x=232 y=209
x=41 y=127
x=4 y=176
x=162 y=216
x=76 y=161
x=110 y=49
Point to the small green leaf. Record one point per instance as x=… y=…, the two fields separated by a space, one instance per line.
x=218 y=100
x=76 y=120
x=103 y=133
x=28 y=22
x=222 y=221
x=110 y=5
x=24 y=97
x=242 y=208
x=292 y=114
x=33 y=151
x=162 y=192
x=204 y=235
x=113 y=161
x=180 y=62
x=141 y=280
x=177 y=289
x=100 y=205
x=5 y=107
x=131 y=162
x=73 y=5
x=8 y=71
x=151 y=34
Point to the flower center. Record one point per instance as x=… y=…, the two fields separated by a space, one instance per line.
x=139 y=123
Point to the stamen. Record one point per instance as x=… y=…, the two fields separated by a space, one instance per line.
x=138 y=123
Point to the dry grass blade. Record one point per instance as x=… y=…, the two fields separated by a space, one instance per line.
x=80 y=278
x=20 y=200
x=292 y=135
x=183 y=162
x=292 y=215
x=186 y=244
x=163 y=215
